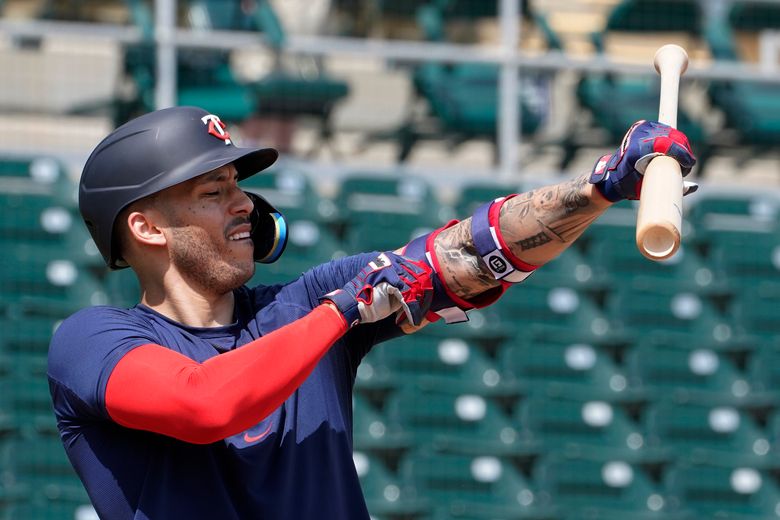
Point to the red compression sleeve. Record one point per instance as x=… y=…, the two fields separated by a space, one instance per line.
x=156 y=389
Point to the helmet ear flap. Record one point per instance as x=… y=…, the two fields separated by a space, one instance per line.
x=269 y=230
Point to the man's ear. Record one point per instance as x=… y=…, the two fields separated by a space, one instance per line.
x=143 y=228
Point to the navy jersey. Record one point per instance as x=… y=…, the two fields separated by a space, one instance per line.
x=295 y=464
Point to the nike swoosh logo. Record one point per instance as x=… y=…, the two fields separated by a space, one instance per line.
x=254 y=438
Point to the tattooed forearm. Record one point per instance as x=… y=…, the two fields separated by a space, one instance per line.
x=463 y=269
x=537 y=226
x=537 y=229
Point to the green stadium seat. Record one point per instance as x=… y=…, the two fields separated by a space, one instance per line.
x=711 y=212
x=23 y=172
x=554 y=313
x=373 y=432
x=474 y=194
x=476 y=486
x=745 y=258
x=763 y=371
x=40 y=464
x=385 y=494
x=609 y=490
x=398 y=197
x=755 y=311
x=30 y=335
x=310 y=243
x=292 y=192
x=25 y=396
x=750 y=108
x=623 y=265
x=462 y=99
x=617 y=101
x=468 y=423
x=447 y=364
x=577 y=370
x=713 y=491
x=706 y=433
x=701 y=375
x=569 y=269
x=485 y=326
x=33 y=276
x=678 y=316
x=382 y=212
x=580 y=428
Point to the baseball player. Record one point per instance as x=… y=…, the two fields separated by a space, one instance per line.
x=213 y=400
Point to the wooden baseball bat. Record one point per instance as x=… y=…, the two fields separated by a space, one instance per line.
x=660 y=206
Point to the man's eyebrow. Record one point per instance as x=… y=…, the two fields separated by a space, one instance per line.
x=217 y=176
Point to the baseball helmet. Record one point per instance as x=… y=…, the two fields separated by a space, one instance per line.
x=159 y=150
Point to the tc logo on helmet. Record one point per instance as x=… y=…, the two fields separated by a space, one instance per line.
x=216 y=127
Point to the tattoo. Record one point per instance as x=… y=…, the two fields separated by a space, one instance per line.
x=537 y=226
x=463 y=269
x=537 y=240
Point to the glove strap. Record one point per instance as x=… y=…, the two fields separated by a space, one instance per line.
x=346 y=304
x=603 y=182
x=490 y=245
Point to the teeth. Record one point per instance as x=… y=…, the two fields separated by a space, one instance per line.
x=239 y=236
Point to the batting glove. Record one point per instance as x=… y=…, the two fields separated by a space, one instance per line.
x=388 y=283
x=619 y=176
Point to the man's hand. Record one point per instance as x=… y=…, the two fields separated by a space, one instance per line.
x=619 y=176
x=388 y=283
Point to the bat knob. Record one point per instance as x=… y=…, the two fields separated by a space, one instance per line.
x=672 y=58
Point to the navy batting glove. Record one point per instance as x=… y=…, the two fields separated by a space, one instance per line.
x=388 y=283
x=619 y=176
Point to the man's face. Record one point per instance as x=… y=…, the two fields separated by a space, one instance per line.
x=208 y=230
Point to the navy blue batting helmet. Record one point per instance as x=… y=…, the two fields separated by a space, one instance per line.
x=159 y=150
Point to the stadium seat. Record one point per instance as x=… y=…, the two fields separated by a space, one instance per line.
x=40 y=464
x=687 y=375
x=755 y=312
x=673 y=315
x=384 y=213
x=30 y=335
x=576 y=370
x=569 y=269
x=42 y=279
x=310 y=243
x=623 y=264
x=373 y=432
x=474 y=194
x=385 y=494
x=482 y=486
x=450 y=365
x=26 y=398
x=580 y=428
x=462 y=99
x=750 y=108
x=468 y=424
x=394 y=196
x=712 y=491
x=706 y=433
x=746 y=258
x=617 y=101
x=554 y=313
x=293 y=193
x=763 y=372
x=713 y=212
x=611 y=489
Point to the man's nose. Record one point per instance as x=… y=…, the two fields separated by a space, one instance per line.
x=241 y=204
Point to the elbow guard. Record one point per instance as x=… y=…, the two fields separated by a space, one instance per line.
x=489 y=243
